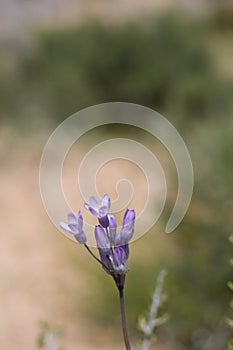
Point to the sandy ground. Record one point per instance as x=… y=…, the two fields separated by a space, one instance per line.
x=37 y=280
x=33 y=269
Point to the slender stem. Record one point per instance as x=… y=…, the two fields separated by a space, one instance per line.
x=95 y=257
x=123 y=319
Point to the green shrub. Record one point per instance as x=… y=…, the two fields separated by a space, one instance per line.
x=163 y=63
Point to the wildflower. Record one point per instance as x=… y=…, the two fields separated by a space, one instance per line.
x=99 y=209
x=74 y=226
x=127 y=228
x=120 y=260
x=114 y=259
x=104 y=248
x=113 y=248
x=102 y=240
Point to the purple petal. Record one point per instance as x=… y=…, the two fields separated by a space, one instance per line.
x=80 y=220
x=120 y=260
x=92 y=210
x=106 y=202
x=126 y=249
x=103 y=211
x=112 y=221
x=64 y=226
x=103 y=220
x=112 y=228
x=102 y=239
x=80 y=237
x=119 y=255
x=106 y=258
x=129 y=217
x=94 y=202
x=127 y=229
x=72 y=218
x=74 y=228
x=126 y=234
x=118 y=240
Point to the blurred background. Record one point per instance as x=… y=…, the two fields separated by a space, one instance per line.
x=58 y=57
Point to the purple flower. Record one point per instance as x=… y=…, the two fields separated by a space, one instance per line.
x=112 y=229
x=127 y=230
x=74 y=226
x=119 y=260
x=104 y=247
x=115 y=260
x=113 y=247
x=102 y=240
x=99 y=209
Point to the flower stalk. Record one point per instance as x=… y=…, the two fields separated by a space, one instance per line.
x=123 y=318
x=113 y=247
x=95 y=257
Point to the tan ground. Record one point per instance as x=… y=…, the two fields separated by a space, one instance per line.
x=31 y=272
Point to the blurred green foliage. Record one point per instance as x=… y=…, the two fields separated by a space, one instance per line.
x=166 y=64
x=223 y=15
x=163 y=64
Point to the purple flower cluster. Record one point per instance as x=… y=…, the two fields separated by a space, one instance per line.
x=113 y=247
